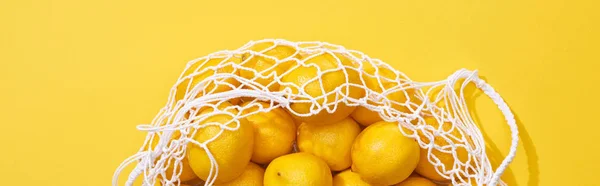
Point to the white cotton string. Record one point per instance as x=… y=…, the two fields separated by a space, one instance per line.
x=134 y=174
x=510 y=119
x=124 y=164
x=225 y=67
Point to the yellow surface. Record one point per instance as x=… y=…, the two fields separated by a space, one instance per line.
x=76 y=77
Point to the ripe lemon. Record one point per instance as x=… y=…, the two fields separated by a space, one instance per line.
x=274 y=132
x=472 y=181
x=348 y=178
x=331 y=143
x=298 y=169
x=416 y=181
x=331 y=81
x=194 y=182
x=158 y=182
x=366 y=117
x=198 y=67
x=425 y=168
x=297 y=122
x=382 y=155
x=265 y=66
x=231 y=150
x=252 y=176
x=185 y=173
x=139 y=181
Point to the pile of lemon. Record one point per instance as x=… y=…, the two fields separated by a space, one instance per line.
x=351 y=146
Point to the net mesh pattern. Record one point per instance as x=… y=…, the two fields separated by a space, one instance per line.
x=435 y=114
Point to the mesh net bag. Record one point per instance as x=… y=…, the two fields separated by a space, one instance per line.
x=435 y=114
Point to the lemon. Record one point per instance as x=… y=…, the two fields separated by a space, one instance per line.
x=231 y=150
x=189 y=74
x=305 y=76
x=298 y=169
x=185 y=173
x=382 y=155
x=297 y=122
x=331 y=143
x=265 y=66
x=158 y=182
x=139 y=181
x=348 y=178
x=366 y=117
x=472 y=181
x=193 y=182
x=425 y=168
x=252 y=176
x=274 y=132
x=416 y=181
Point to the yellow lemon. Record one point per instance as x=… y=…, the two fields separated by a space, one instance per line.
x=139 y=181
x=158 y=182
x=185 y=173
x=265 y=66
x=416 y=181
x=252 y=176
x=366 y=117
x=298 y=169
x=274 y=132
x=306 y=78
x=331 y=143
x=195 y=74
x=382 y=155
x=231 y=149
x=472 y=181
x=425 y=168
x=348 y=178
x=194 y=182
x=297 y=122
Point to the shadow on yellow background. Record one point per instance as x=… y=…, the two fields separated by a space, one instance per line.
x=496 y=155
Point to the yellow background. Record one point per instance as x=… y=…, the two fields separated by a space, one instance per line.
x=76 y=77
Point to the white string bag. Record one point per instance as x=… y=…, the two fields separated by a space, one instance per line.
x=221 y=82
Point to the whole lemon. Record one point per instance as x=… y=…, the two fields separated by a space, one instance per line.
x=140 y=181
x=232 y=149
x=199 y=71
x=318 y=84
x=331 y=143
x=382 y=155
x=194 y=182
x=471 y=182
x=416 y=181
x=265 y=66
x=298 y=169
x=426 y=168
x=252 y=176
x=348 y=178
x=185 y=173
x=274 y=132
x=379 y=81
x=158 y=182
